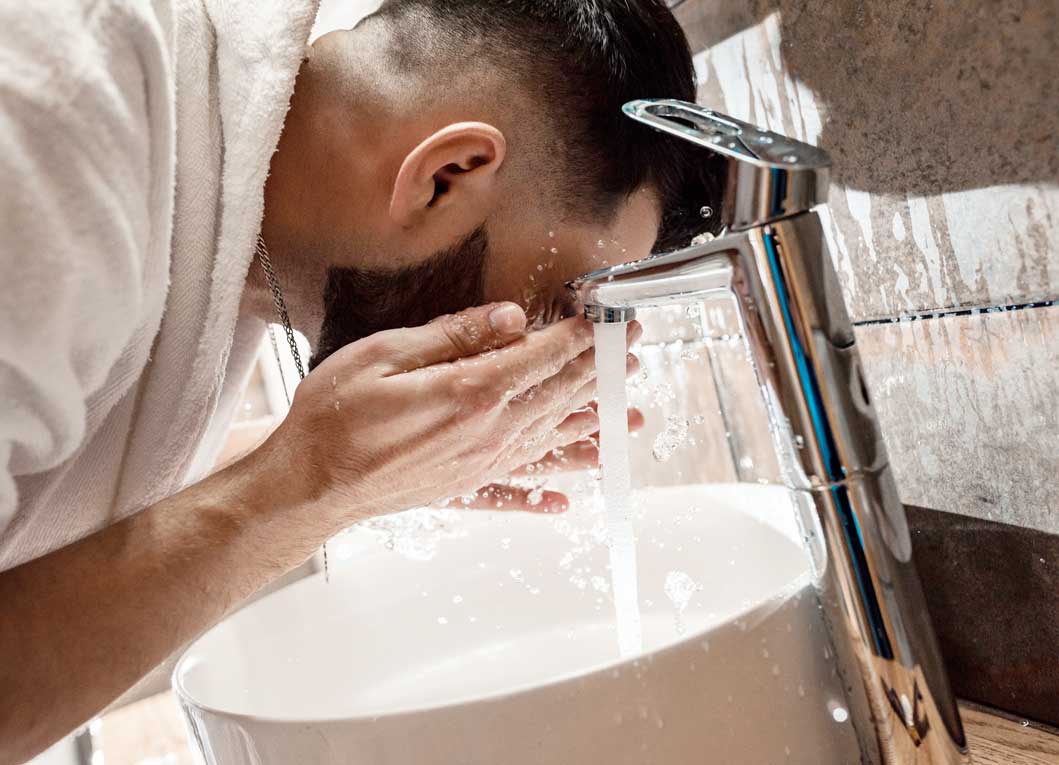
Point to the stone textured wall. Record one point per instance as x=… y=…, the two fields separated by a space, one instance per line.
x=943 y=218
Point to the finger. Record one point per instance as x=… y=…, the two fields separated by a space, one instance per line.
x=558 y=391
x=572 y=389
x=503 y=497
x=582 y=455
x=538 y=442
x=449 y=338
x=540 y=355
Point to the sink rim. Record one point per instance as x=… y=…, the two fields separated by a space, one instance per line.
x=755 y=613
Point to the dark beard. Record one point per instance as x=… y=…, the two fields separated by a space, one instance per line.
x=360 y=302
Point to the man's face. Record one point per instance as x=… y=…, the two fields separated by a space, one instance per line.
x=533 y=258
x=523 y=259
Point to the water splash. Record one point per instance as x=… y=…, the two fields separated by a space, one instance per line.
x=680 y=589
x=670 y=439
x=416 y=534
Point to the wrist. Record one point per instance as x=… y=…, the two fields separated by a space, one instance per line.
x=271 y=507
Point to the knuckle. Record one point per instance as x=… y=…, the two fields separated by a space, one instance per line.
x=535 y=395
x=590 y=424
x=472 y=394
x=462 y=332
x=371 y=348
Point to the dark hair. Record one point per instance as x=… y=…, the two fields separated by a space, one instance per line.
x=585 y=59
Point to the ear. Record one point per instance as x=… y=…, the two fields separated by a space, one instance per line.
x=453 y=170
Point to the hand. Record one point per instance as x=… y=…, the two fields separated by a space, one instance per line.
x=411 y=416
x=582 y=455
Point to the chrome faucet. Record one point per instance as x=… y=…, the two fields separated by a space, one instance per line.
x=772 y=261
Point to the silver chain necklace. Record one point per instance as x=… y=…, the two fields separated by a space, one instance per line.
x=281 y=308
x=281 y=311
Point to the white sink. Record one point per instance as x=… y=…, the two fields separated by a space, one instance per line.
x=492 y=642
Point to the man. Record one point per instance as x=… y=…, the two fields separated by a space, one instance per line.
x=442 y=155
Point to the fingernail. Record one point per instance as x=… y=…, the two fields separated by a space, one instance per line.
x=507 y=319
x=632 y=364
x=556 y=504
x=635 y=331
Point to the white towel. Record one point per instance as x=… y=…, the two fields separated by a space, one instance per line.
x=135 y=140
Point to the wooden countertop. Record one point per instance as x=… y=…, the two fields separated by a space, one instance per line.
x=998 y=740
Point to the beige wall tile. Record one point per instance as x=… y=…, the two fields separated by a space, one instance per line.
x=969 y=406
x=940 y=118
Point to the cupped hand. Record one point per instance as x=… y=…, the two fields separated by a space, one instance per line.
x=410 y=417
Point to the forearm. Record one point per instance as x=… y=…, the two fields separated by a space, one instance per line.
x=80 y=626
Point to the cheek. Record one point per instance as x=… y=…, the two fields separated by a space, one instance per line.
x=518 y=283
x=531 y=284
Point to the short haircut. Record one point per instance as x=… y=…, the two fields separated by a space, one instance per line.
x=583 y=59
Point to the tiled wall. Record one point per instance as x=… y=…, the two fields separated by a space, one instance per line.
x=940 y=117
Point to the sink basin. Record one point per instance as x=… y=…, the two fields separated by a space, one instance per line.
x=489 y=638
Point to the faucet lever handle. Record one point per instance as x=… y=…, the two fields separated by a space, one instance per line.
x=728 y=136
x=769 y=176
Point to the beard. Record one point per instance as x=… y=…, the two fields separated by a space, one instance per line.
x=360 y=302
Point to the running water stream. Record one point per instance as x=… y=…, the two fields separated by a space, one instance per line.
x=614 y=463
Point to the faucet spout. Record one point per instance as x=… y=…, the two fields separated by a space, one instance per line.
x=697 y=272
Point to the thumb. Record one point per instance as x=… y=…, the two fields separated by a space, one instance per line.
x=455 y=336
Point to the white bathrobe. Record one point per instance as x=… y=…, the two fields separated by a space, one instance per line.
x=135 y=139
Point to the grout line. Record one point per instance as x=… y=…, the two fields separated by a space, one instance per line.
x=947 y=312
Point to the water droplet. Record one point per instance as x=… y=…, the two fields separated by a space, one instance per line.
x=706 y=211
x=442 y=620
x=790 y=158
x=600 y=245
x=554 y=251
x=764 y=139
x=337 y=405
x=457 y=599
x=670 y=439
